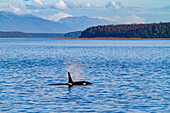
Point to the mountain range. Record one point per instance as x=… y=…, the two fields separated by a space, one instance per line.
x=32 y=24
x=29 y=23
x=83 y=22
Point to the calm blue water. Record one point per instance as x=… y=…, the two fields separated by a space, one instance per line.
x=127 y=75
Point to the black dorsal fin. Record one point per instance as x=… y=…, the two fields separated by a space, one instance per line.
x=69 y=78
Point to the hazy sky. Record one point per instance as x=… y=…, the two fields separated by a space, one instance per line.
x=118 y=11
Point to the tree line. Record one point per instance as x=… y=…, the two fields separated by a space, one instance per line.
x=154 y=30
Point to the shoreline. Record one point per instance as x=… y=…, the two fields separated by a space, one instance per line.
x=118 y=38
x=115 y=38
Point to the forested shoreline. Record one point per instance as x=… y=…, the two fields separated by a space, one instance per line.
x=154 y=30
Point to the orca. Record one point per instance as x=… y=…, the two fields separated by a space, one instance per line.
x=71 y=83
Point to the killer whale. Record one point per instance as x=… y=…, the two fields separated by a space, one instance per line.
x=71 y=83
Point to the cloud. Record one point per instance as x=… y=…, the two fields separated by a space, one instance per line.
x=87 y=5
x=21 y=10
x=60 y=5
x=34 y=4
x=27 y=11
x=1 y=9
x=76 y=5
x=115 y=5
x=125 y=20
x=39 y=2
x=15 y=9
x=57 y=17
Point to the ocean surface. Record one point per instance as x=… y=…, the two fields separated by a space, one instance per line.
x=127 y=75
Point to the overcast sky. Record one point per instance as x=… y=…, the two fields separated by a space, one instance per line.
x=117 y=11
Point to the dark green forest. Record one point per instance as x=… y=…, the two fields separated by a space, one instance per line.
x=154 y=30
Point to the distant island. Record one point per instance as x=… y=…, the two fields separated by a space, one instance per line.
x=39 y=35
x=154 y=30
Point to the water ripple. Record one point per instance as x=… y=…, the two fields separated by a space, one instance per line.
x=127 y=76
